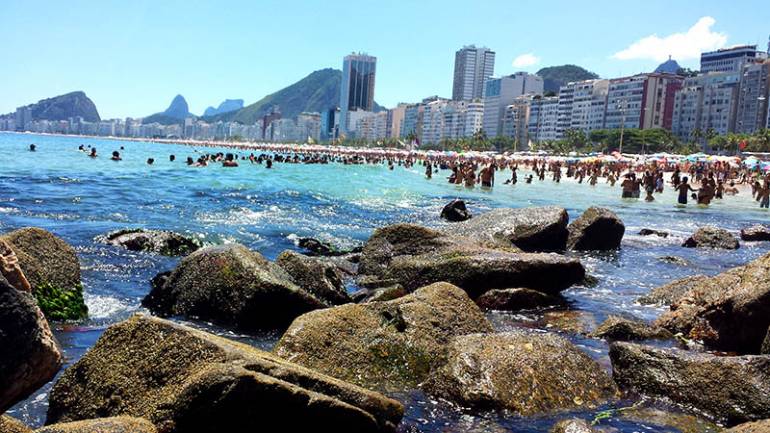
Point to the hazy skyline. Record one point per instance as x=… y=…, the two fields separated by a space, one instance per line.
x=132 y=58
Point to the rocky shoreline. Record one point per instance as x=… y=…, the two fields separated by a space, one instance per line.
x=417 y=323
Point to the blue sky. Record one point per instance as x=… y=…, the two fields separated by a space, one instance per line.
x=132 y=57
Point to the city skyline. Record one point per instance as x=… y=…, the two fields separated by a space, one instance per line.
x=209 y=54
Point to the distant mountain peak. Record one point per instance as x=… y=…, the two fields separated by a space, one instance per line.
x=178 y=108
x=226 y=106
x=670 y=66
x=63 y=107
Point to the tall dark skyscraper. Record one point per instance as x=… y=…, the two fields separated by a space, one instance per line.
x=357 y=89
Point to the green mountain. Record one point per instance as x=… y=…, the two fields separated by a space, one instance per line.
x=317 y=92
x=557 y=76
x=74 y=104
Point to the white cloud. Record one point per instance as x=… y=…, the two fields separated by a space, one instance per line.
x=680 y=46
x=525 y=60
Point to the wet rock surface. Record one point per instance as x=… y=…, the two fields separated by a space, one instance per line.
x=651 y=232
x=756 y=232
x=733 y=389
x=29 y=356
x=730 y=311
x=455 y=211
x=415 y=256
x=597 y=229
x=389 y=345
x=527 y=373
x=184 y=380
x=122 y=424
x=670 y=293
x=516 y=300
x=529 y=229
x=232 y=286
x=163 y=242
x=712 y=237
x=315 y=276
x=12 y=425
x=622 y=329
x=751 y=427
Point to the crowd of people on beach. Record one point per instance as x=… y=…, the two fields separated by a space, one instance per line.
x=715 y=179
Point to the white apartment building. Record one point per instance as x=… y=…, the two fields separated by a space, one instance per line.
x=544 y=118
x=706 y=102
x=501 y=92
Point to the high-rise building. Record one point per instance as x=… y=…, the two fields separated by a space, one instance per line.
x=396 y=119
x=330 y=123
x=643 y=101
x=501 y=92
x=729 y=59
x=473 y=67
x=516 y=120
x=357 y=87
x=706 y=103
x=23 y=118
x=753 y=98
x=544 y=118
x=582 y=105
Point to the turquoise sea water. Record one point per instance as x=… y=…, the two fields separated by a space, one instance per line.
x=62 y=190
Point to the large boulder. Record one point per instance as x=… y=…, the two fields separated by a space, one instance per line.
x=53 y=271
x=455 y=211
x=316 y=247
x=574 y=425
x=415 y=256
x=516 y=299
x=389 y=345
x=119 y=424
x=733 y=389
x=650 y=232
x=621 y=329
x=11 y=425
x=29 y=356
x=751 y=427
x=730 y=311
x=184 y=381
x=527 y=373
x=712 y=237
x=597 y=228
x=315 y=276
x=757 y=232
x=232 y=286
x=766 y=344
x=162 y=242
x=529 y=229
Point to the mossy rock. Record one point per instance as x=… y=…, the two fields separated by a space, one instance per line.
x=53 y=270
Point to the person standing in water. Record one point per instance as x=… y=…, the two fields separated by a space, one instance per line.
x=683 y=188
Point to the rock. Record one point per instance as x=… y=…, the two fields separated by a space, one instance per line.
x=315 y=247
x=574 y=425
x=53 y=271
x=527 y=373
x=232 y=286
x=733 y=389
x=11 y=425
x=380 y=294
x=120 y=424
x=383 y=345
x=415 y=256
x=29 y=356
x=670 y=421
x=515 y=300
x=314 y=276
x=712 y=237
x=529 y=229
x=158 y=281
x=674 y=260
x=185 y=380
x=729 y=312
x=757 y=232
x=598 y=229
x=650 y=232
x=766 y=344
x=669 y=293
x=751 y=427
x=573 y=321
x=620 y=329
x=162 y=242
x=455 y=211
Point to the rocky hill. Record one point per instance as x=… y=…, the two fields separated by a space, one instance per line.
x=74 y=104
x=557 y=76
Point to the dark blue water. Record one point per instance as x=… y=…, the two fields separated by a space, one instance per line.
x=62 y=190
